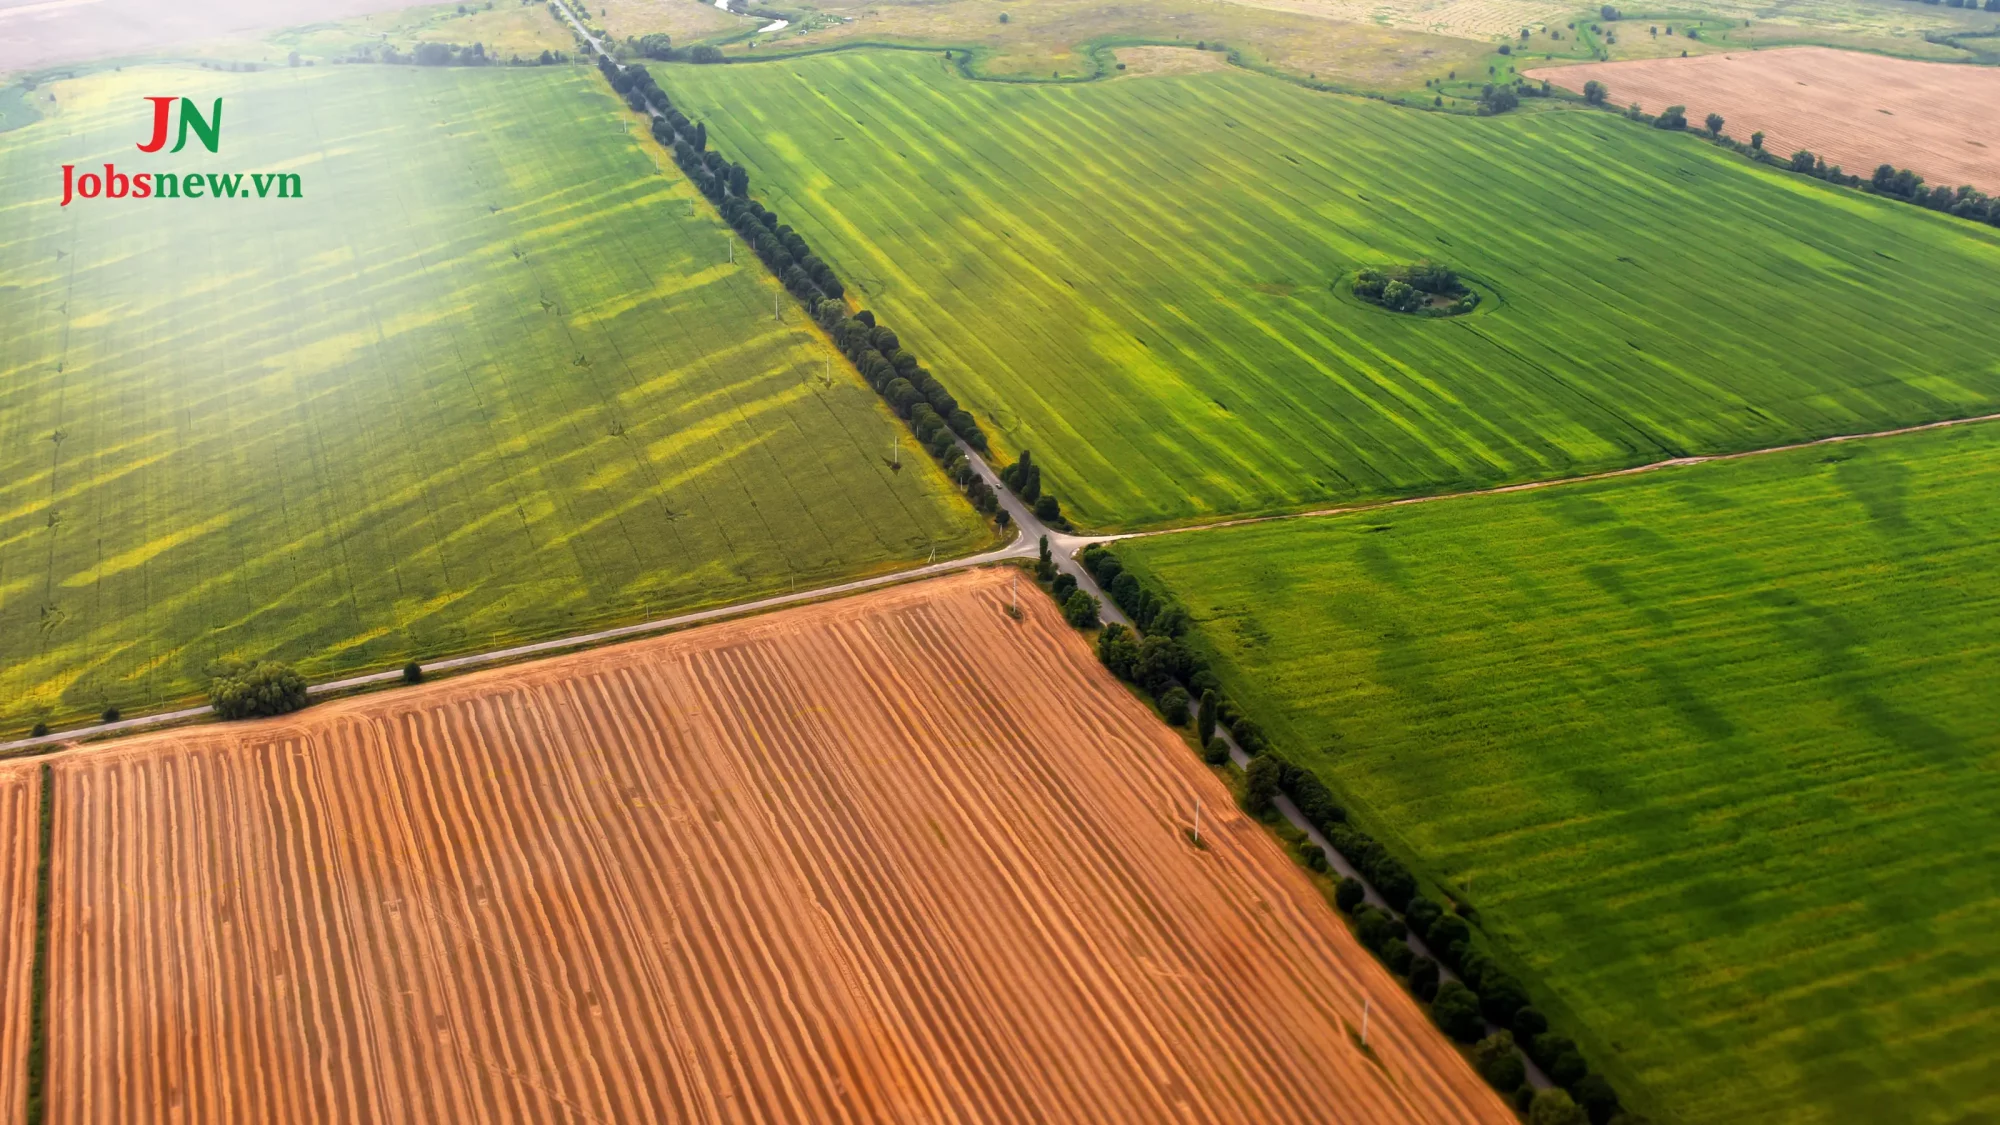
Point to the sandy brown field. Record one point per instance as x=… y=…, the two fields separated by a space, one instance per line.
x=893 y=858
x=19 y=801
x=1857 y=110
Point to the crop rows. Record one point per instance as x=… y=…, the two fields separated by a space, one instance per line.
x=900 y=857
x=1133 y=279
x=20 y=802
x=492 y=379
x=1708 y=751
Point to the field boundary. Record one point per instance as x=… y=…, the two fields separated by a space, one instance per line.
x=1548 y=482
x=1024 y=547
x=38 y=980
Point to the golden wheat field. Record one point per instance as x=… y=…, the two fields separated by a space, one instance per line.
x=895 y=858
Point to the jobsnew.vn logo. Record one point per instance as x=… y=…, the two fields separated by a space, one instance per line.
x=113 y=184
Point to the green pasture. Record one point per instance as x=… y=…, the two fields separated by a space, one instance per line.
x=1131 y=278
x=491 y=379
x=1715 y=752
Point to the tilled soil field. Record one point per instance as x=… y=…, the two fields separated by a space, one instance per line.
x=19 y=809
x=894 y=858
x=1854 y=109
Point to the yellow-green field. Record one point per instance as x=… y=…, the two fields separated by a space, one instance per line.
x=1713 y=752
x=491 y=379
x=1140 y=280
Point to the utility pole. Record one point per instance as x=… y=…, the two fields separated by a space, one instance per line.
x=732 y=248
x=775 y=314
x=896 y=452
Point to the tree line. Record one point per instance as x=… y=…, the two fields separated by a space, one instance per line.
x=917 y=397
x=1163 y=661
x=1964 y=201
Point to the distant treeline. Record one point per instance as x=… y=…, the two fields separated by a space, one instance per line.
x=1964 y=201
x=894 y=372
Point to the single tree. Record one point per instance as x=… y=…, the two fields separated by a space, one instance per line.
x=413 y=673
x=1260 y=785
x=1757 y=141
x=1595 y=92
x=1496 y=1060
x=1080 y=610
x=1205 y=719
x=1714 y=123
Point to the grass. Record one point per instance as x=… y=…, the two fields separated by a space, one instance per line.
x=506 y=30
x=1712 y=750
x=1054 y=39
x=1133 y=278
x=491 y=380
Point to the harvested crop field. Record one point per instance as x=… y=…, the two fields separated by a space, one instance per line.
x=898 y=857
x=1854 y=109
x=19 y=806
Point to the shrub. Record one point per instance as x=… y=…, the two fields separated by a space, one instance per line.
x=38 y=730
x=1500 y=996
x=1114 y=646
x=413 y=673
x=1420 y=913
x=1554 y=1107
x=1313 y=855
x=1456 y=1011
x=706 y=54
x=1595 y=92
x=1063 y=586
x=1598 y=1099
x=1672 y=117
x=1448 y=931
x=1080 y=610
x=243 y=691
x=1547 y=1046
x=1260 y=784
x=1249 y=736
x=1174 y=706
x=1423 y=979
x=1398 y=956
x=1374 y=927
x=1528 y=1024
x=109 y=715
x=1568 y=1068
x=1217 y=753
x=1349 y=894
x=1499 y=1063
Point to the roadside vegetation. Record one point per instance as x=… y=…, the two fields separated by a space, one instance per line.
x=1699 y=756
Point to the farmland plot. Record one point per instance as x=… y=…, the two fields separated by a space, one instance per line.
x=20 y=805
x=897 y=857
x=1712 y=752
x=1139 y=280
x=492 y=378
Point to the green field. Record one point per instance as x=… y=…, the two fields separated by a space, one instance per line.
x=492 y=379
x=1131 y=278
x=1715 y=752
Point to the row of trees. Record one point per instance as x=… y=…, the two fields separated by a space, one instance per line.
x=1964 y=201
x=933 y=413
x=1163 y=663
x=1024 y=477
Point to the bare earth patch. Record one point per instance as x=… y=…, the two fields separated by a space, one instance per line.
x=1856 y=110
x=899 y=857
x=1169 y=60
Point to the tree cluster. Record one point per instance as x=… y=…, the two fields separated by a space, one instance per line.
x=239 y=690
x=1422 y=289
x=1024 y=477
x=1964 y=201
